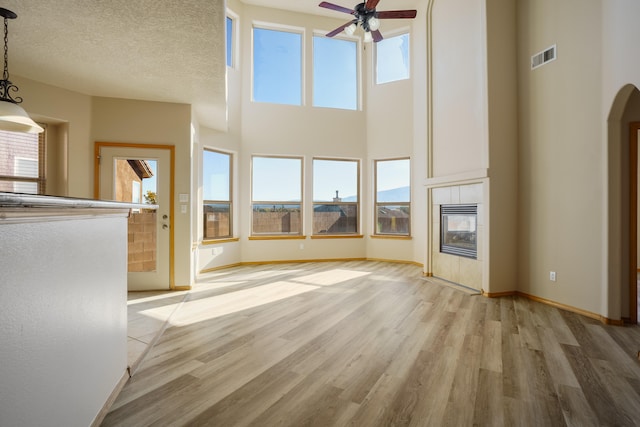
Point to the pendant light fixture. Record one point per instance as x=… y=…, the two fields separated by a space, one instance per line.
x=12 y=116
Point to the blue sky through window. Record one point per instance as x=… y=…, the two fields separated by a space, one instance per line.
x=216 y=173
x=391 y=175
x=277 y=66
x=229 y=42
x=330 y=176
x=335 y=73
x=150 y=184
x=392 y=59
x=277 y=179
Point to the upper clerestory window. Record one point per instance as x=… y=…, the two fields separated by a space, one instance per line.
x=392 y=59
x=335 y=73
x=277 y=66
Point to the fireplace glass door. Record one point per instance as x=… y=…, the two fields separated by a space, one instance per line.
x=458 y=230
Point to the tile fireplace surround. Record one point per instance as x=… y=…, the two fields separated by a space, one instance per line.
x=458 y=269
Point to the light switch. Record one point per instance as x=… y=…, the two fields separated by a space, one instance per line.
x=184 y=198
x=183 y=208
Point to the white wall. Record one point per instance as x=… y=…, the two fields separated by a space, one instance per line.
x=63 y=318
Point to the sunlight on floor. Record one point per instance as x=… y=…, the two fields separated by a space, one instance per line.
x=249 y=275
x=151 y=312
x=333 y=277
x=147 y=314
x=207 y=308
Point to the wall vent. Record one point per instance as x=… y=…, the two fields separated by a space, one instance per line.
x=541 y=58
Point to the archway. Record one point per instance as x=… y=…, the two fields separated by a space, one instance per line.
x=621 y=296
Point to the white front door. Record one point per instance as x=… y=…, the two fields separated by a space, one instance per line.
x=128 y=174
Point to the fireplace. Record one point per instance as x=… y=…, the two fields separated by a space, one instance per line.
x=458 y=230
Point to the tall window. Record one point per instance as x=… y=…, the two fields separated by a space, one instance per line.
x=393 y=197
x=22 y=162
x=276 y=195
x=335 y=73
x=392 y=59
x=277 y=66
x=216 y=188
x=335 y=196
x=230 y=41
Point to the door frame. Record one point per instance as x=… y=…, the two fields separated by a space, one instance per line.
x=172 y=151
x=634 y=128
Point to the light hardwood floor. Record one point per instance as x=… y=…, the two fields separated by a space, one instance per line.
x=376 y=344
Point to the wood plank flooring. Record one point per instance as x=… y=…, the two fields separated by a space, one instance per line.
x=376 y=344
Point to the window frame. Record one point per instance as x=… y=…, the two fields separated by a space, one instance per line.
x=235 y=38
x=301 y=31
x=41 y=179
x=219 y=202
x=377 y=205
x=271 y=234
x=397 y=33
x=358 y=232
x=358 y=59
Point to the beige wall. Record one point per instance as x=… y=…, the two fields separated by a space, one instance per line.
x=563 y=194
x=141 y=122
x=459 y=87
x=70 y=113
x=502 y=221
x=396 y=127
x=384 y=128
x=573 y=142
x=560 y=157
x=473 y=143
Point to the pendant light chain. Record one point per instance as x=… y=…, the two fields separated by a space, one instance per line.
x=6 y=87
x=5 y=75
x=13 y=118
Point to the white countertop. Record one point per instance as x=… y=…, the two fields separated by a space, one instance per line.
x=18 y=200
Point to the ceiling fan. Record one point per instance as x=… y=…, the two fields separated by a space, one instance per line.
x=367 y=17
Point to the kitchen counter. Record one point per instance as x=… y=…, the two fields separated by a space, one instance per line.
x=63 y=308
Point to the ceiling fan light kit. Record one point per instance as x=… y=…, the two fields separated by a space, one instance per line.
x=367 y=17
x=350 y=29
x=12 y=117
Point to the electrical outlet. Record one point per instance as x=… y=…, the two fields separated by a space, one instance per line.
x=301 y=245
x=552 y=276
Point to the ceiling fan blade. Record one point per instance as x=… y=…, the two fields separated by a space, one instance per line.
x=340 y=28
x=397 y=14
x=377 y=36
x=371 y=4
x=332 y=6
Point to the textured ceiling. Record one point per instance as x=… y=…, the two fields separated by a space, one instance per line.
x=311 y=6
x=139 y=49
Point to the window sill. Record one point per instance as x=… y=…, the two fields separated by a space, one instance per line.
x=279 y=237
x=221 y=240
x=390 y=236
x=337 y=236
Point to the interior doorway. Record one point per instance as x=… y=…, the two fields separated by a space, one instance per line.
x=141 y=173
